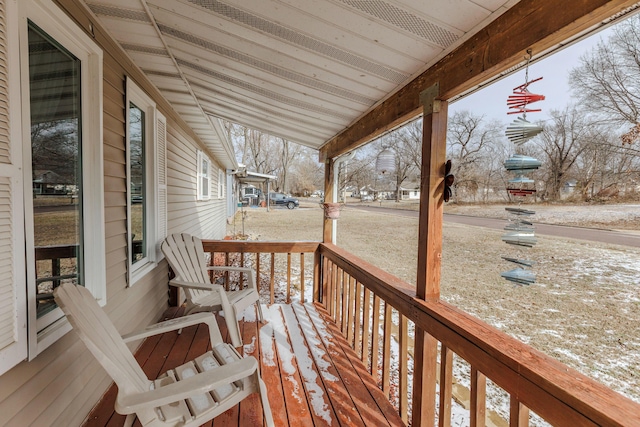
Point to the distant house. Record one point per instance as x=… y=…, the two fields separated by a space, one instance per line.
x=47 y=182
x=410 y=191
x=252 y=186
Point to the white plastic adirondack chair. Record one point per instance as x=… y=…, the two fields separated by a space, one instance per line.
x=188 y=395
x=186 y=257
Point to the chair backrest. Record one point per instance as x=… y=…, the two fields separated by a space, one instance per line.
x=100 y=336
x=185 y=255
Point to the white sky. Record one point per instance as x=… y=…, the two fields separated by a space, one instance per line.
x=554 y=70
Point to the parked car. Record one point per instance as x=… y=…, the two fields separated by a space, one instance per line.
x=283 y=200
x=366 y=198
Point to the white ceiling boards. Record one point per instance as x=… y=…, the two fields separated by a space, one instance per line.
x=300 y=69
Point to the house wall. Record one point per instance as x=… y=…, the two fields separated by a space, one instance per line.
x=62 y=384
x=206 y=219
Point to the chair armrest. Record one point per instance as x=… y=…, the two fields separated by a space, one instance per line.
x=193 y=386
x=229 y=268
x=195 y=285
x=174 y=324
x=251 y=274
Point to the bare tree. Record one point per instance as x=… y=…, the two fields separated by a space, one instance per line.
x=402 y=144
x=307 y=173
x=607 y=80
x=562 y=142
x=289 y=152
x=470 y=140
x=411 y=136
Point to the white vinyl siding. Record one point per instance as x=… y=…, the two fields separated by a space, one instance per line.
x=184 y=214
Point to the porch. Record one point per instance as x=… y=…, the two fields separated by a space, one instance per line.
x=351 y=352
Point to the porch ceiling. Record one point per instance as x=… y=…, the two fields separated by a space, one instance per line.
x=303 y=70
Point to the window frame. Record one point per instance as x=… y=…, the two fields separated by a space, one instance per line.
x=135 y=271
x=221 y=183
x=202 y=159
x=46 y=330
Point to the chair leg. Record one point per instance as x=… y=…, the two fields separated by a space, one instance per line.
x=231 y=318
x=260 y=315
x=128 y=422
x=266 y=408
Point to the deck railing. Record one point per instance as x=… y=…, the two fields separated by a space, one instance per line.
x=297 y=261
x=385 y=306
x=379 y=315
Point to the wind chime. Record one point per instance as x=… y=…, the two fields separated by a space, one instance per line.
x=520 y=230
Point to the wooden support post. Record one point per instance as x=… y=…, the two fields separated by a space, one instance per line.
x=434 y=133
x=328 y=224
x=434 y=145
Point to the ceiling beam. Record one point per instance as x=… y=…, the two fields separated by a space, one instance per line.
x=531 y=24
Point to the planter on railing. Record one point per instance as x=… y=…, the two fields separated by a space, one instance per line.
x=332 y=210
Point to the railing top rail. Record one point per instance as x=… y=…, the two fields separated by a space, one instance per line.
x=252 y=246
x=560 y=394
x=56 y=252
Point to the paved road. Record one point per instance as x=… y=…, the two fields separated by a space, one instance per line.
x=590 y=234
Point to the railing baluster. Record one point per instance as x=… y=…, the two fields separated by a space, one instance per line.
x=272 y=290
x=226 y=273
x=424 y=379
x=357 y=344
x=478 y=398
x=403 y=377
x=351 y=311
x=317 y=295
x=338 y=299
x=518 y=413
x=289 y=278
x=446 y=381
x=375 y=335
x=366 y=326
x=55 y=271
x=386 y=349
x=258 y=269
x=302 y=277
x=346 y=283
x=329 y=293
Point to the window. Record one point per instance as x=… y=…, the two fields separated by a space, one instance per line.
x=145 y=144
x=221 y=183
x=61 y=84
x=204 y=179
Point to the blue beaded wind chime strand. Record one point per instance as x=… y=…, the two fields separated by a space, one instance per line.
x=520 y=231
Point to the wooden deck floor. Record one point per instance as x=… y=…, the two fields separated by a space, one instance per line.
x=313 y=377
